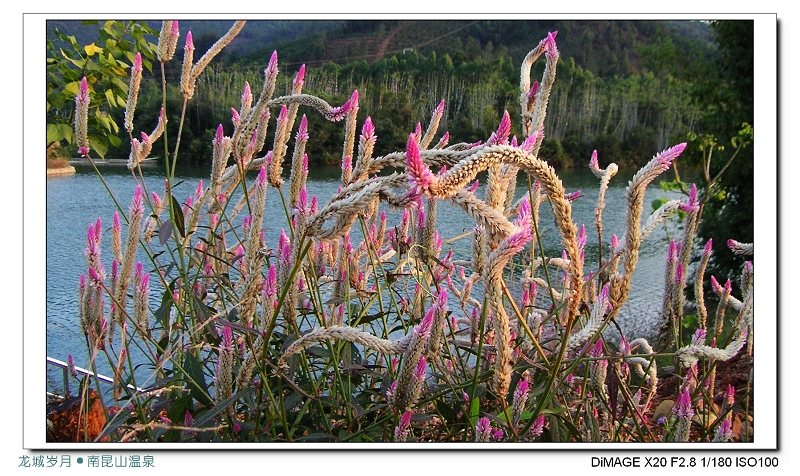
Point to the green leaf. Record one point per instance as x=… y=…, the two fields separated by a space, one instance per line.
x=91 y=49
x=79 y=63
x=178 y=215
x=111 y=100
x=657 y=203
x=114 y=140
x=474 y=411
x=122 y=85
x=58 y=132
x=194 y=370
x=206 y=417
x=99 y=145
x=71 y=89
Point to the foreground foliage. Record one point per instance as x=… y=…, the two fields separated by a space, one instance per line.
x=352 y=328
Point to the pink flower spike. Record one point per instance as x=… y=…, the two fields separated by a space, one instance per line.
x=419 y=174
x=500 y=136
x=573 y=196
x=582 y=238
x=715 y=284
x=728 y=286
x=347 y=163
x=116 y=226
x=189 y=43
x=533 y=91
x=247 y=94
x=597 y=348
x=235 y=117
x=272 y=67
x=156 y=199
x=419 y=372
x=423 y=329
x=550 y=48
x=439 y=108
x=98 y=226
x=302 y=130
x=175 y=31
x=300 y=77
x=368 y=129
x=666 y=157
x=522 y=389
x=699 y=337
x=484 y=426
x=145 y=137
x=731 y=244
x=538 y=426
x=137 y=63
x=593 y=162
x=530 y=142
x=691 y=205
x=730 y=395
x=707 y=247
x=418 y=130
x=672 y=251
x=83 y=93
x=445 y=138
x=199 y=190
x=283 y=116
x=473 y=187
x=683 y=407
x=137 y=205
x=679 y=273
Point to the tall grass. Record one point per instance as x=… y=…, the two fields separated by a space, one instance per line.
x=354 y=328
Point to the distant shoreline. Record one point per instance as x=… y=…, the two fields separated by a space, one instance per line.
x=68 y=170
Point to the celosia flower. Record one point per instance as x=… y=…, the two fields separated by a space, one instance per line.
x=133 y=91
x=368 y=129
x=500 y=136
x=419 y=372
x=302 y=130
x=299 y=77
x=532 y=92
x=247 y=98
x=550 y=45
x=272 y=65
x=420 y=176
x=538 y=426
x=699 y=337
x=402 y=429
x=573 y=196
x=724 y=432
x=82 y=118
x=532 y=141
x=339 y=113
x=683 y=407
x=691 y=205
x=483 y=430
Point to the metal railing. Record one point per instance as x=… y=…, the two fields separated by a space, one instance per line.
x=65 y=372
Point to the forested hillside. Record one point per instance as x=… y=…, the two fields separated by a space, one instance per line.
x=626 y=88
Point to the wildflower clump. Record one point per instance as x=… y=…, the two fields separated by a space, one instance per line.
x=349 y=325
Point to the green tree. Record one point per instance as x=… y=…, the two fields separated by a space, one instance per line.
x=106 y=65
x=729 y=213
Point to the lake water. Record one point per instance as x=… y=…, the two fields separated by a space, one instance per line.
x=75 y=201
